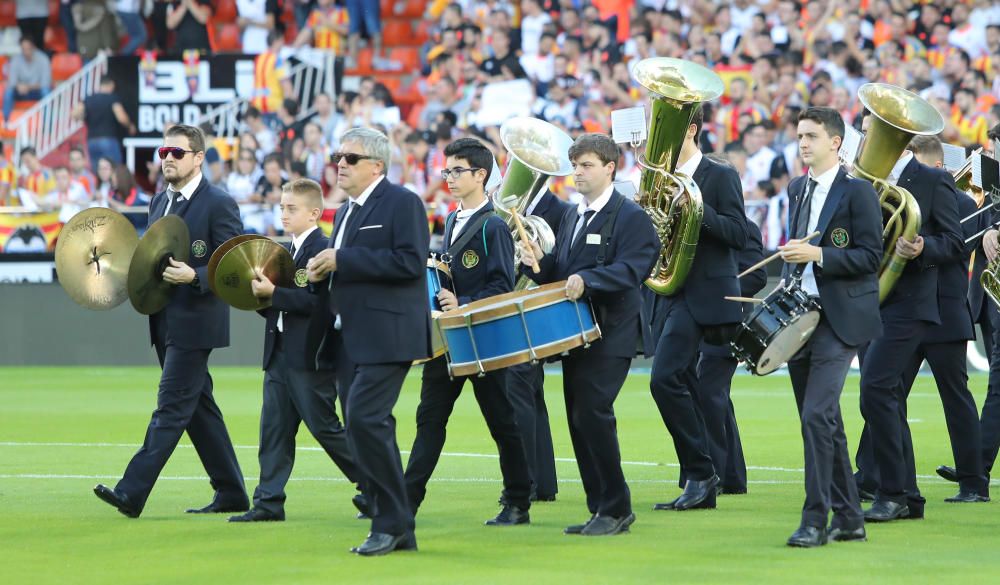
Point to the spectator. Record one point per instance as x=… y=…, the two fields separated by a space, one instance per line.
x=759 y=155
x=105 y=175
x=965 y=35
x=68 y=196
x=316 y=153
x=326 y=29
x=66 y=21
x=442 y=99
x=134 y=23
x=188 y=19
x=503 y=65
x=533 y=21
x=326 y=117
x=32 y=16
x=35 y=178
x=79 y=171
x=8 y=184
x=258 y=19
x=270 y=78
x=540 y=66
x=242 y=183
x=96 y=28
x=291 y=127
x=29 y=76
x=970 y=124
x=125 y=194
x=105 y=116
x=267 y=194
x=364 y=15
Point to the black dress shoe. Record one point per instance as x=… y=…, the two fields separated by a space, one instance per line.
x=865 y=495
x=510 y=516
x=578 y=528
x=361 y=503
x=217 y=507
x=258 y=515
x=117 y=499
x=964 y=497
x=947 y=473
x=379 y=543
x=808 y=537
x=666 y=505
x=847 y=534
x=607 y=525
x=886 y=511
x=697 y=494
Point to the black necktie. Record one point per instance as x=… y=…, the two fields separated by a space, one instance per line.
x=581 y=226
x=175 y=197
x=805 y=210
x=293 y=250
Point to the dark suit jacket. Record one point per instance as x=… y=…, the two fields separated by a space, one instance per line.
x=915 y=294
x=490 y=253
x=723 y=235
x=977 y=296
x=552 y=209
x=848 y=279
x=953 y=283
x=613 y=289
x=307 y=327
x=195 y=318
x=380 y=285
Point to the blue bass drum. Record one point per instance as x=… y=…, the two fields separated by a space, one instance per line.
x=515 y=328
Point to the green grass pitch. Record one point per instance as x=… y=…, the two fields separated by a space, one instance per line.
x=62 y=430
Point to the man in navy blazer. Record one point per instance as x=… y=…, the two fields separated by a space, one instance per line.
x=603 y=252
x=376 y=264
x=526 y=383
x=184 y=333
x=842 y=270
x=697 y=312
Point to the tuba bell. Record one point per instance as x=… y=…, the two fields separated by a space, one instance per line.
x=538 y=150
x=672 y=200
x=897 y=116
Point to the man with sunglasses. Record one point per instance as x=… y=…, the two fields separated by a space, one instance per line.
x=184 y=333
x=483 y=251
x=376 y=266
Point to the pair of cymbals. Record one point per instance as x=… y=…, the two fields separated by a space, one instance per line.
x=167 y=238
x=93 y=254
x=238 y=261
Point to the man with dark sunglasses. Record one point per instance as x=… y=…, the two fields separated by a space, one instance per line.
x=184 y=333
x=376 y=267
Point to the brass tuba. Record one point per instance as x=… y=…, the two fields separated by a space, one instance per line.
x=672 y=200
x=538 y=150
x=897 y=116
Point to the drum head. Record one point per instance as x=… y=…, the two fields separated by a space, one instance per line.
x=787 y=342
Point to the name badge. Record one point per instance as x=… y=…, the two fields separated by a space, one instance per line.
x=593 y=239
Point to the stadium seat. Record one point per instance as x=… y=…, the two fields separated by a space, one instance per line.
x=64 y=65
x=414 y=9
x=55 y=39
x=364 y=65
x=225 y=11
x=53 y=12
x=8 y=14
x=387 y=7
x=413 y=118
x=227 y=39
x=397 y=33
x=408 y=56
x=422 y=33
x=393 y=84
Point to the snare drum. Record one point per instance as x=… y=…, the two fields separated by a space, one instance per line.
x=515 y=328
x=777 y=329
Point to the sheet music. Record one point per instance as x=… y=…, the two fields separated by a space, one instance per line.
x=977 y=171
x=628 y=125
x=954 y=157
x=850 y=146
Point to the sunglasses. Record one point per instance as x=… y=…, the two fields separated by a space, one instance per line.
x=174 y=151
x=457 y=171
x=351 y=158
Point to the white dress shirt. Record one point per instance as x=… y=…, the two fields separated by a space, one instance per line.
x=823 y=184
x=691 y=164
x=358 y=201
x=897 y=169
x=187 y=191
x=297 y=242
x=462 y=217
x=596 y=207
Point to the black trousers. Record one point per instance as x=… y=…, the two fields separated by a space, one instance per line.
x=591 y=384
x=673 y=382
x=184 y=402
x=989 y=421
x=371 y=435
x=438 y=394
x=883 y=404
x=292 y=396
x=818 y=372
x=526 y=390
x=712 y=399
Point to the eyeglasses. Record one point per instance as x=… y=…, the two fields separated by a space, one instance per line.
x=457 y=171
x=351 y=158
x=174 y=151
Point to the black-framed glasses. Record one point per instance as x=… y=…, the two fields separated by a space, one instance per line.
x=174 y=151
x=351 y=158
x=457 y=171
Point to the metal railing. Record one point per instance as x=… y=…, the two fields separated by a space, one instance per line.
x=49 y=123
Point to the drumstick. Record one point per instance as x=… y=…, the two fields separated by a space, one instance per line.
x=744 y=299
x=524 y=237
x=771 y=258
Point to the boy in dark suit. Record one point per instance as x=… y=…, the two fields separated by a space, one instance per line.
x=184 y=333
x=604 y=252
x=299 y=361
x=483 y=266
x=843 y=272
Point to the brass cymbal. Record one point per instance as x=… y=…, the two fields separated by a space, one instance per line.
x=219 y=252
x=239 y=265
x=165 y=239
x=93 y=253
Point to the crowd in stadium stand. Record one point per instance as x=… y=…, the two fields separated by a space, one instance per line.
x=427 y=73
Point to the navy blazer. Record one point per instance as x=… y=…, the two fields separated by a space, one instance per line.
x=915 y=294
x=307 y=327
x=723 y=235
x=953 y=282
x=552 y=209
x=195 y=318
x=484 y=267
x=613 y=289
x=380 y=285
x=848 y=279
x=977 y=296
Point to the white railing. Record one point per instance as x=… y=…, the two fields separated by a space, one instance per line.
x=49 y=123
